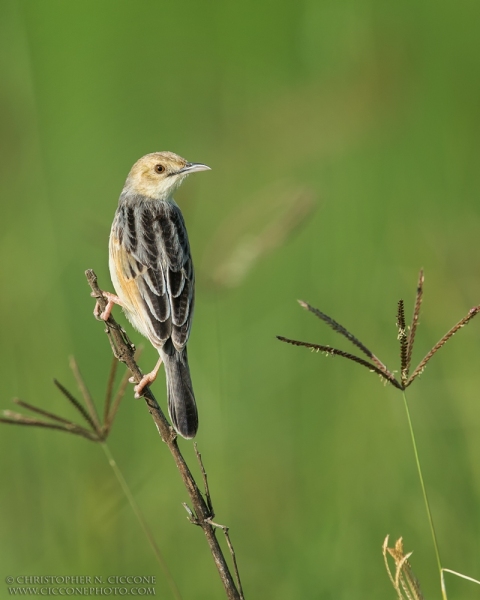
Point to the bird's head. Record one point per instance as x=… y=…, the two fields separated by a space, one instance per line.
x=157 y=175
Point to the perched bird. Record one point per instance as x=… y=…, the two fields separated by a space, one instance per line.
x=152 y=272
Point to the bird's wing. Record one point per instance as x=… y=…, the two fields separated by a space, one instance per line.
x=154 y=252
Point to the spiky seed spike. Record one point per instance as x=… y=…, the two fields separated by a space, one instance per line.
x=402 y=337
x=335 y=352
x=401 y=315
x=336 y=327
x=415 y=317
x=473 y=312
x=343 y=331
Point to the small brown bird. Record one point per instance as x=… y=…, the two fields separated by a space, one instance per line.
x=152 y=272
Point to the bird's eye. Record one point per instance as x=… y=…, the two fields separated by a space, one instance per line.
x=159 y=168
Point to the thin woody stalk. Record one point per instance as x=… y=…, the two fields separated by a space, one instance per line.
x=202 y=515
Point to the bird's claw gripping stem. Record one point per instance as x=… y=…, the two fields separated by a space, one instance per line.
x=112 y=299
x=145 y=380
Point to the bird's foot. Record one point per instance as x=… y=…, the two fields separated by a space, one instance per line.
x=146 y=380
x=111 y=301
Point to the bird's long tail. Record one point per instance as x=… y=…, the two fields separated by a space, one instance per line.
x=181 y=400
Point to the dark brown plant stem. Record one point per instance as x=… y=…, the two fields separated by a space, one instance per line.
x=415 y=317
x=473 y=312
x=336 y=352
x=222 y=527
x=124 y=351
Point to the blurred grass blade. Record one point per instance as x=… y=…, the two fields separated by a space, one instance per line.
x=143 y=523
x=254 y=229
x=109 y=390
x=92 y=411
x=116 y=402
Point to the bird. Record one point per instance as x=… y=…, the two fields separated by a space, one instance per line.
x=152 y=272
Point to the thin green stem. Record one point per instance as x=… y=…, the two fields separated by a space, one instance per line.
x=462 y=576
x=425 y=497
x=141 y=519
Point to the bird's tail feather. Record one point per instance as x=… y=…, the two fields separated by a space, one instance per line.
x=181 y=400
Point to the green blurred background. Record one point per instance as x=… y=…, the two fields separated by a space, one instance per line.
x=364 y=115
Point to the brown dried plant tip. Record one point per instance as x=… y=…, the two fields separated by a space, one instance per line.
x=406 y=341
x=403 y=580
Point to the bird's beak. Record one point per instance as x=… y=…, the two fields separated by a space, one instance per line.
x=193 y=168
